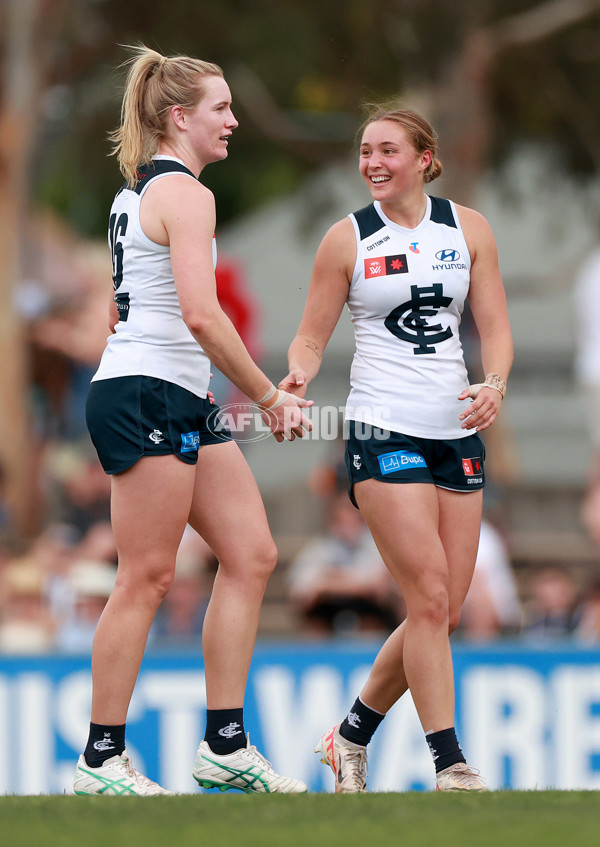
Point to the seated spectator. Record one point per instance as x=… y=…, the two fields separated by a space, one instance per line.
x=5 y=514
x=79 y=488
x=492 y=608
x=90 y=583
x=98 y=543
x=587 y=372
x=588 y=613
x=26 y=625
x=52 y=551
x=551 y=608
x=338 y=583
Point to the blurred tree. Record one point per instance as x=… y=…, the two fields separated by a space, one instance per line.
x=23 y=72
x=300 y=69
x=32 y=46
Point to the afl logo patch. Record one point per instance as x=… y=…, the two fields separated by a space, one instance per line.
x=472 y=467
x=386 y=265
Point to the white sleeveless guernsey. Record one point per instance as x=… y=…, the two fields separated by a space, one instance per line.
x=406 y=300
x=151 y=337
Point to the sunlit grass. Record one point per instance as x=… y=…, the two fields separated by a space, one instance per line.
x=506 y=819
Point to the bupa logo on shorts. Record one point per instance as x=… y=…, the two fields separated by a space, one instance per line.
x=472 y=467
x=190 y=441
x=386 y=265
x=400 y=460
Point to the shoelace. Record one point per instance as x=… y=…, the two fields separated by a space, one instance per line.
x=139 y=778
x=357 y=759
x=264 y=763
x=467 y=773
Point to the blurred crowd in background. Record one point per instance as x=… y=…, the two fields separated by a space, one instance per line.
x=54 y=586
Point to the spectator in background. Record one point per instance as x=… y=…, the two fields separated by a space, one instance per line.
x=339 y=583
x=492 y=607
x=52 y=554
x=587 y=371
x=98 y=543
x=80 y=490
x=551 y=608
x=66 y=333
x=90 y=583
x=52 y=566
x=26 y=624
x=588 y=613
x=5 y=517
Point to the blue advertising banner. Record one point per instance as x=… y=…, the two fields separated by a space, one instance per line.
x=529 y=719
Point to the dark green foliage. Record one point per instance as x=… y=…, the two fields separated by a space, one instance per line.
x=318 y=62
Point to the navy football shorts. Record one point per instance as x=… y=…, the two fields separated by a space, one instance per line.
x=129 y=417
x=373 y=453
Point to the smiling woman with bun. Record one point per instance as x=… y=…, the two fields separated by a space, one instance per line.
x=404 y=265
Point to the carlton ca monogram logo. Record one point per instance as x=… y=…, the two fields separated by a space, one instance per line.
x=408 y=321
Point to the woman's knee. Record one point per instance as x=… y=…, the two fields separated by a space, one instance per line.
x=254 y=565
x=453 y=621
x=431 y=604
x=265 y=560
x=151 y=584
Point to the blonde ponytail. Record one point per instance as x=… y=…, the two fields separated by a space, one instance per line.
x=154 y=84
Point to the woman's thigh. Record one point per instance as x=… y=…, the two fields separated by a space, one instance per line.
x=404 y=522
x=150 y=504
x=227 y=509
x=460 y=524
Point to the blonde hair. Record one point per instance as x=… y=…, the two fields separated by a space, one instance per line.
x=154 y=84
x=420 y=132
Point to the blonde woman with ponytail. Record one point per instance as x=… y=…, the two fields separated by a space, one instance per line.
x=405 y=265
x=149 y=416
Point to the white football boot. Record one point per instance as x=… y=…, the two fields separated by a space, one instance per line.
x=115 y=778
x=246 y=770
x=460 y=777
x=347 y=760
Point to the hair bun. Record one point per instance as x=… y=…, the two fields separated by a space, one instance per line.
x=434 y=170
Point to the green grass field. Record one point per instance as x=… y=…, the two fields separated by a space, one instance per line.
x=506 y=819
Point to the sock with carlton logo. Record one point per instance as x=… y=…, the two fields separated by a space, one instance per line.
x=225 y=731
x=444 y=748
x=104 y=742
x=360 y=723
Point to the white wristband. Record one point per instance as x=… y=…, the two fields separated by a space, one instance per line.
x=282 y=396
x=270 y=393
x=477 y=386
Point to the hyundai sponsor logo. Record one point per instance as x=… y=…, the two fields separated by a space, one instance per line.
x=447 y=255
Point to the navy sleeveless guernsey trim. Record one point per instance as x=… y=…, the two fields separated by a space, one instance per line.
x=441 y=212
x=368 y=221
x=156 y=168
